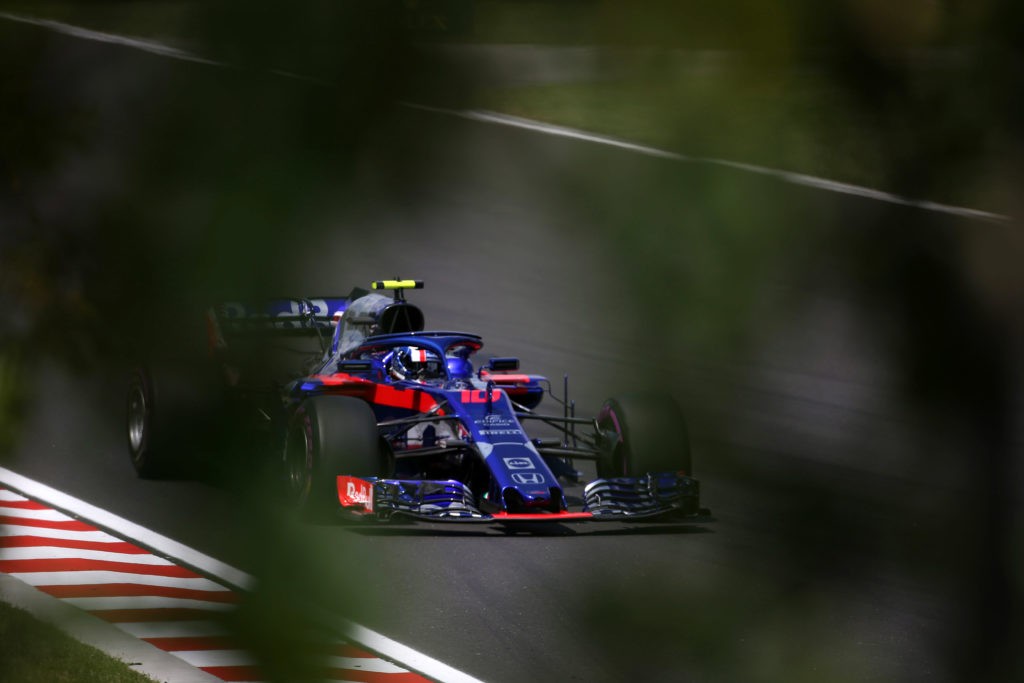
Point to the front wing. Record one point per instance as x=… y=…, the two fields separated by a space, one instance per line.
x=654 y=496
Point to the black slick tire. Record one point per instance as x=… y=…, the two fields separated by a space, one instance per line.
x=646 y=434
x=173 y=414
x=328 y=436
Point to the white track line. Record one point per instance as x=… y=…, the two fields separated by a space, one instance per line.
x=379 y=666
x=543 y=128
x=405 y=655
x=786 y=176
x=371 y=640
x=151 y=46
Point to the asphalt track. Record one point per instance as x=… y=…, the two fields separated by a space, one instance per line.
x=804 y=421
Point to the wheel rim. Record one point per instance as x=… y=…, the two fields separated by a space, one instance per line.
x=136 y=419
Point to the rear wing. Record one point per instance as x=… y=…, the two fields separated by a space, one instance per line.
x=339 y=323
x=287 y=317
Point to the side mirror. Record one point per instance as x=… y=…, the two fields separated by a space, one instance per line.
x=352 y=367
x=503 y=364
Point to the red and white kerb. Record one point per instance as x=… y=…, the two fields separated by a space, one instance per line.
x=149 y=597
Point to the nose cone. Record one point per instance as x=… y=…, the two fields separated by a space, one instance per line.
x=531 y=498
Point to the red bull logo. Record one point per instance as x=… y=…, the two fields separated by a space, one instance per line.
x=354 y=492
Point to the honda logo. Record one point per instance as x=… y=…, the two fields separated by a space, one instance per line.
x=528 y=478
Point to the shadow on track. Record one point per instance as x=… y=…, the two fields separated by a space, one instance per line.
x=582 y=530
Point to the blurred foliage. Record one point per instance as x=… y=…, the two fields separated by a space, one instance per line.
x=12 y=399
x=120 y=212
x=779 y=631
x=706 y=105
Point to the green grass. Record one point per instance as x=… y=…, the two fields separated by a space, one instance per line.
x=34 y=652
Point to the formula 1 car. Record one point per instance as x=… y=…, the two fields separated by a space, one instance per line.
x=385 y=420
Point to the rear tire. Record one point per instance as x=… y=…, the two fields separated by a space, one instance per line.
x=647 y=434
x=148 y=454
x=328 y=436
x=171 y=417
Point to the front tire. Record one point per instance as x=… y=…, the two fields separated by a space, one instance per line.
x=645 y=434
x=328 y=436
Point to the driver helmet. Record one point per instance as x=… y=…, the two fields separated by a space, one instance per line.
x=414 y=363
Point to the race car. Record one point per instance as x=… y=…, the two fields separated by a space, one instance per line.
x=385 y=420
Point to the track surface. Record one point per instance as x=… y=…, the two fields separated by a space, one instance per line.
x=820 y=564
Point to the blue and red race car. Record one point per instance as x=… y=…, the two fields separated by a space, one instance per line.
x=384 y=420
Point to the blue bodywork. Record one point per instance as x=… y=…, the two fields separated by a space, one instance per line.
x=457 y=440
x=476 y=410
